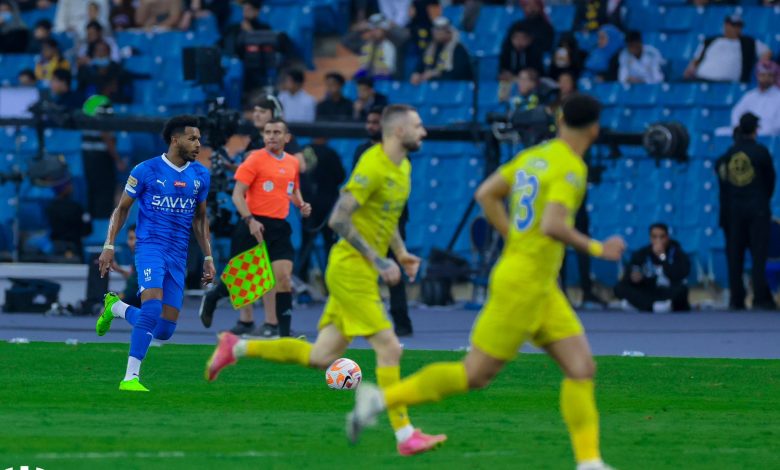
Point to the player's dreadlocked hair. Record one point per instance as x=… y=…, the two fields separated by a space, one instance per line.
x=176 y=125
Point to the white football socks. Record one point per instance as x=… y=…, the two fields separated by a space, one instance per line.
x=119 y=308
x=239 y=350
x=133 y=367
x=404 y=433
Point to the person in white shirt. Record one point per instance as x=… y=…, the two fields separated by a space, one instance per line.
x=298 y=105
x=640 y=63
x=727 y=58
x=763 y=101
x=73 y=15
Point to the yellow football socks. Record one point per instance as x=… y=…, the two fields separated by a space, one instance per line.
x=431 y=383
x=578 y=406
x=387 y=376
x=283 y=350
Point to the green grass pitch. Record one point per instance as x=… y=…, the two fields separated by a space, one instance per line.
x=60 y=409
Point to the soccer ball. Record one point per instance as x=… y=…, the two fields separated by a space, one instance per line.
x=343 y=374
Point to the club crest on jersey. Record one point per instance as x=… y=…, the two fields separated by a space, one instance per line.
x=268 y=186
x=180 y=184
x=290 y=187
x=131 y=181
x=196 y=183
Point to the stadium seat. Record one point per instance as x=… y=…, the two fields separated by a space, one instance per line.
x=206 y=30
x=719 y=94
x=62 y=141
x=447 y=93
x=712 y=21
x=31 y=17
x=561 y=16
x=639 y=95
x=297 y=21
x=679 y=18
x=12 y=64
x=454 y=13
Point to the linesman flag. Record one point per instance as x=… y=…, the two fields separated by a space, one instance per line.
x=248 y=276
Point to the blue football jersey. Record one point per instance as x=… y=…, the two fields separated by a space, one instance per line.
x=168 y=197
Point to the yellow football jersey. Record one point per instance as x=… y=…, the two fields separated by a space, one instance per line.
x=381 y=188
x=550 y=172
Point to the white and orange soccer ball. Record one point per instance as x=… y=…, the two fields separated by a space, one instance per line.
x=343 y=374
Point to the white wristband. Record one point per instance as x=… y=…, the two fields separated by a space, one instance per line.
x=108 y=247
x=208 y=258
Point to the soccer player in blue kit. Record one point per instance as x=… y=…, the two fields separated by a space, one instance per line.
x=171 y=190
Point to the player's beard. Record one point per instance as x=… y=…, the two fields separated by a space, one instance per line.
x=412 y=145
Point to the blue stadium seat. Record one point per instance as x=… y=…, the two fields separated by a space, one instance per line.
x=183 y=96
x=642 y=118
x=712 y=22
x=298 y=22
x=141 y=64
x=31 y=17
x=64 y=141
x=75 y=163
x=148 y=92
x=404 y=92
x=636 y=17
x=561 y=17
x=640 y=95
x=608 y=92
x=454 y=13
x=12 y=64
x=448 y=93
x=676 y=95
x=494 y=21
x=142 y=41
x=206 y=29
x=679 y=18
x=719 y=94
x=487 y=66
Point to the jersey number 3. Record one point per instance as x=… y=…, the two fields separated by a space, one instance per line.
x=526 y=188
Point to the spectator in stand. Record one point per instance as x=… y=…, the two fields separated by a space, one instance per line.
x=747 y=179
x=445 y=58
x=50 y=60
x=602 y=63
x=518 y=53
x=122 y=15
x=567 y=86
x=367 y=98
x=538 y=25
x=529 y=94
x=568 y=57
x=397 y=14
x=26 y=78
x=159 y=14
x=591 y=15
x=232 y=40
x=727 y=58
x=99 y=74
x=68 y=223
x=420 y=25
x=763 y=101
x=655 y=279
x=14 y=34
x=194 y=9
x=640 y=63
x=41 y=32
x=72 y=16
x=94 y=36
x=299 y=106
x=60 y=90
x=335 y=107
x=767 y=63
x=378 y=54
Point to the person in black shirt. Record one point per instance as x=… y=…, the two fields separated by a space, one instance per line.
x=60 y=92
x=655 y=277
x=320 y=185
x=518 y=52
x=335 y=107
x=374 y=130
x=367 y=98
x=399 y=307
x=747 y=180
x=68 y=224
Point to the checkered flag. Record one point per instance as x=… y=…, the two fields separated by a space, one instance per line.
x=248 y=276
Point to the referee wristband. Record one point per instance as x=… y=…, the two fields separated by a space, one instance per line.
x=595 y=248
x=208 y=258
x=108 y=247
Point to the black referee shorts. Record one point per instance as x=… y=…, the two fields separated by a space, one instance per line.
x=277 y=236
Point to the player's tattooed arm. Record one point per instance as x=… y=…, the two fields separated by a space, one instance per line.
x=341 y=223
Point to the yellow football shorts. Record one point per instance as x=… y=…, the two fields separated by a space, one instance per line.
x=354 y=305
x=519 y=309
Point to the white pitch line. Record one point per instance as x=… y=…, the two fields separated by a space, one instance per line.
x=149 y=455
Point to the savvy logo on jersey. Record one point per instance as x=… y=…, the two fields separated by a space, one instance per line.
x=170 y=202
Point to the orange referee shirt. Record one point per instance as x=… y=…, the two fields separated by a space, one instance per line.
x=271 y=183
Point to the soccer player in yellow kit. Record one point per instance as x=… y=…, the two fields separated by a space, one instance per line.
x=545 y=185
x=366 y=216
